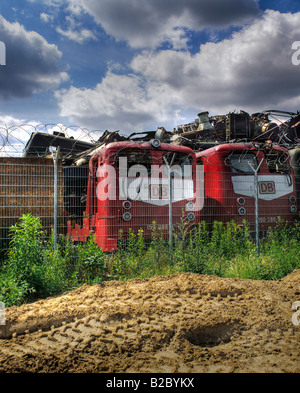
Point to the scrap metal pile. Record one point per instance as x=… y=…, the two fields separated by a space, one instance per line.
x=276 y=126
x=268 y=132
x=239 y=127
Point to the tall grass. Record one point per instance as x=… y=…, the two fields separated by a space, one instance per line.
x=32 y=269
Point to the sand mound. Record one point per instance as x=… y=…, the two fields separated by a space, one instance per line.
x=180 y=323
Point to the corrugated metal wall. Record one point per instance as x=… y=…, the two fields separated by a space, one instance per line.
x=27 y=186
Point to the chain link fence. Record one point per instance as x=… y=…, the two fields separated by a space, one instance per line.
x=27 y=173
x=80 y=185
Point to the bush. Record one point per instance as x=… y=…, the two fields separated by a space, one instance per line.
x=135 y=258
x=279 y=256
x=33 y=269
x=20 y=271
x=25 y=251
x=90 y=266
x=209 y=252
x=12 y=293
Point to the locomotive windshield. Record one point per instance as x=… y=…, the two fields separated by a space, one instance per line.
x=278 y=162
x=242 y=163
x=134 y=157
x=181 y=161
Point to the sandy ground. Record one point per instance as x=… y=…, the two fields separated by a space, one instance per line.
x=183 y=323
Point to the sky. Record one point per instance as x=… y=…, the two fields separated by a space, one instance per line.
x=136 y=65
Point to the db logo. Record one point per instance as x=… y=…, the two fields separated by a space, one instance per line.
x=266 y=187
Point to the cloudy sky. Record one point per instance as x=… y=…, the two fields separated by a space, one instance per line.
x=135 y=65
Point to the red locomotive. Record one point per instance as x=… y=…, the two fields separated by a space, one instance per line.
x=229 y=184
x=128 y=188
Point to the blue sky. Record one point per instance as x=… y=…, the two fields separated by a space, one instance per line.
x=135 y=65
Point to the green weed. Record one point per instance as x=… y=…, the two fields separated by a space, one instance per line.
x=32 y=268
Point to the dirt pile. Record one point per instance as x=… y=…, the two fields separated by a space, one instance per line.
x=180 y=323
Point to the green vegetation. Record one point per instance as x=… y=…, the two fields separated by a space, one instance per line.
x=32 y=270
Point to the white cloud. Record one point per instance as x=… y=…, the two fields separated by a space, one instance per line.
x=46 y=17
x=74 y=31
x=14 y=134
x=78 y=36
x=11 y=122
x=148 y=23
x=252 y=71
x=32 y=64
x=118 y=101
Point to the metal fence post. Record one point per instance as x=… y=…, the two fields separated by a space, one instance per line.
x=170 y=213
x=170 y=181
x=55 y=159
x=256 y=193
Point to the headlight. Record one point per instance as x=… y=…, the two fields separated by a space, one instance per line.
x=190 y=206
x=155 y=143
x=127 y=216
x=292 y=199
x=293 y=209
x=127 y=205
x=191 y=216
x=242 y=211
x=241 y=201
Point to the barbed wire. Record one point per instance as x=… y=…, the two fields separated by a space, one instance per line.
x=14 y=139
x=39 y=140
